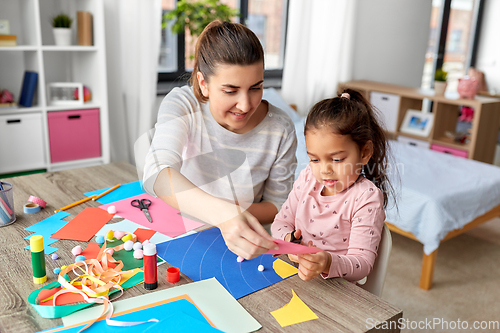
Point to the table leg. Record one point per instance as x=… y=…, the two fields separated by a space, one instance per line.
x=428 y=263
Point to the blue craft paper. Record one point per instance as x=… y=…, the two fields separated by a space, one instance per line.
x=178 y=316
x=47 y=228
x=123 y=192
x=205 y=255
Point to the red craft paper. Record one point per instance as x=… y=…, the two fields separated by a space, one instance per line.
x=62 y=299
x=292 y=248
x=85 y=225
x=166 y=220
x=143 y=234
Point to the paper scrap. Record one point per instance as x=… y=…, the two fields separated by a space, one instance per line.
x=143 y=234
x=294 y=312
x=209 y=295
x=84 y=226
x=284 y=269
x=47 y=228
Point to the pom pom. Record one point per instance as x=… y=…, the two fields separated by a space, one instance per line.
x=99 y=239
x=112 y=211
x=80 y=258
x=57 y=271
x=63 y=267
x=145 y=242
x=138 y=254
x=119 y=234
x=128 y=245
x=137 y=246
x=127 y=238
x=239 y=259
x=55 y=256
x=260 y=268
x=110 y=235
x=76 y=250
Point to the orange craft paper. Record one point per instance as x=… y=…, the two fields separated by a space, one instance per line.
x=85 y=225
x=143 y=234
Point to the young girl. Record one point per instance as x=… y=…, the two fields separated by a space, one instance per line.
x=337 y=203
x=220 y=153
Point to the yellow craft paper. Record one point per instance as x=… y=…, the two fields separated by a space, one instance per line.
x=294 y=312
x=127 y=276
x=284 y=269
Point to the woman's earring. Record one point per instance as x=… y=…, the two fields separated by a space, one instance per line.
x=363 y=170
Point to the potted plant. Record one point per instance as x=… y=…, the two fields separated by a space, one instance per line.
x=191 y=17
x=61 y=25
x=440 y=81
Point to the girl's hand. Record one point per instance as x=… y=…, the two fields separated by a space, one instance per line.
x=288 y=237
x=245 y=236
x=313 y=264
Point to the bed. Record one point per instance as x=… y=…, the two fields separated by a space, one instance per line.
x=440 y=195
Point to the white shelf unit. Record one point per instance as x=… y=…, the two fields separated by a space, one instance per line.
x=30 y=21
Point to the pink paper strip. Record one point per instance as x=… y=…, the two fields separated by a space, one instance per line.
x=292 y=248
x=166 y=219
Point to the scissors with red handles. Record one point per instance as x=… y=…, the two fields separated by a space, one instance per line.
x=143 y=205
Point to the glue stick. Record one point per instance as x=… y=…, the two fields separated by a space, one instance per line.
x=150 y=271
x=38 y=259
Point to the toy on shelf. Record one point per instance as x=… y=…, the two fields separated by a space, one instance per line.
x=468 y=87
x=86 y=94
x=467 y=113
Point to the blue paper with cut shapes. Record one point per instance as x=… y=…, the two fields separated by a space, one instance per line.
x=47 y=228
x=205 y=255
x=123 y=192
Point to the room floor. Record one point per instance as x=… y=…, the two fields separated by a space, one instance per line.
x=465 y=280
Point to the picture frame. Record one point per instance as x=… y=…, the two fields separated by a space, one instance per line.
x=417 y=122
x=65 y=93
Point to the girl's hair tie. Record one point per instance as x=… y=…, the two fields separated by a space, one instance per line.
x=345 y=95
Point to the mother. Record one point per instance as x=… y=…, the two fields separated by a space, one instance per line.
x=220 y=153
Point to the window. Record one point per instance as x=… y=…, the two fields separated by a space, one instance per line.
x=266 y=18
x=453 y=39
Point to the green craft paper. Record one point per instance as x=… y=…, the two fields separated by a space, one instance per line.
x=129 y=262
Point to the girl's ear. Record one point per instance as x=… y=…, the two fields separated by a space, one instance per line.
x=366 y=152
x=203 y=84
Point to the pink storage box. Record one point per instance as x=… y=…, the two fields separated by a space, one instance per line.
x=448 y=150
x=74 y=135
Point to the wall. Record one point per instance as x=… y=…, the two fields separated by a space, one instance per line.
x=390 y=41
x=488 y=57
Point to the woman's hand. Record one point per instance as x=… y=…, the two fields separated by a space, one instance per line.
x=245 y=236
x=313 y=264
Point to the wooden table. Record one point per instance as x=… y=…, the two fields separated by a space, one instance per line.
x=340 y=305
